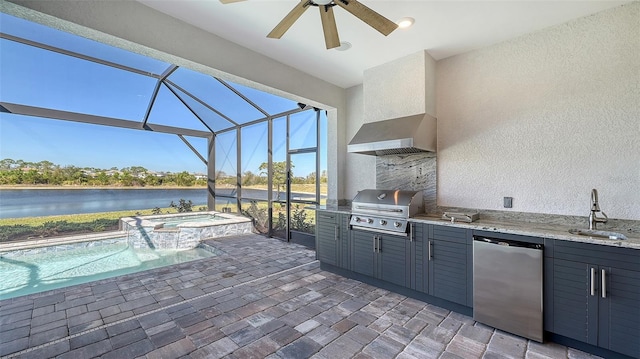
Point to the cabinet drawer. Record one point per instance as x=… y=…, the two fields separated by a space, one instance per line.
x=626 y=258
x=451 y=234
x=326 y=218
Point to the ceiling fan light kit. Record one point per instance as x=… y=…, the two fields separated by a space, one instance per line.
x=331 y=38
x=405 y=22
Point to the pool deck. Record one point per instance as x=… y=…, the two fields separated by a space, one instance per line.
x=262 y=298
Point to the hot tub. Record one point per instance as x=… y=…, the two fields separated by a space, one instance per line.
x=182 y=230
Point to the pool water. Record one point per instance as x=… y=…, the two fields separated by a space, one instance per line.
x=175 y=221
x=50 y=270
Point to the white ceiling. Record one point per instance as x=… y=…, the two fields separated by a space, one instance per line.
x=443 y=28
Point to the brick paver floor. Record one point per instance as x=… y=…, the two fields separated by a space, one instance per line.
x=261 y=298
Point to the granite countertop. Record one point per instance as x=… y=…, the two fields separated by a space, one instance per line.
x=534 y=229
x=332 y=208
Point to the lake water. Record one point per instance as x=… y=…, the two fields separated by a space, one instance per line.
x=18 y=203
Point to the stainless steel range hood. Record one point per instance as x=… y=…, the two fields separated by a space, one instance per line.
x=411 y=134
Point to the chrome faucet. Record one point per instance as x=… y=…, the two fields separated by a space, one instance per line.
x=595 y=208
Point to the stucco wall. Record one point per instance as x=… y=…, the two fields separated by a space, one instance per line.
x=359 y=170
x=400 y=88
x=545 y=118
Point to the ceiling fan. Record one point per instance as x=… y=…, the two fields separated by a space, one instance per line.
x=331 y=39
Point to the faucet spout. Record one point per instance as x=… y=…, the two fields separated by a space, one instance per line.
x=594 y=200
x=595 y=208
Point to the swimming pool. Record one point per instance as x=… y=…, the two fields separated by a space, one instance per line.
x=61 y=266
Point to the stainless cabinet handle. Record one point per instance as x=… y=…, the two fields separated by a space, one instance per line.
x=430 y=250
x=336 y=233
x=326 y=216
x=375 y=240
x=413 y=227
x=379 y=244
x=603 y=283
x=593 y=281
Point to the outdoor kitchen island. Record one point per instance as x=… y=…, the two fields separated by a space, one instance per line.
x=591 y=286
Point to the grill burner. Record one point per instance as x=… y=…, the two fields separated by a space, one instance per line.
x=385 y=211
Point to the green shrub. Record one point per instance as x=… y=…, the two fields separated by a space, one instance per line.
x=10 y=232
x=55 y=228
x=182 y=206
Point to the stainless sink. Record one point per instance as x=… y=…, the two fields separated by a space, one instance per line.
x=597 y=233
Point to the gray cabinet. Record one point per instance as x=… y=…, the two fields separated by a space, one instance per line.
x=595 y=295
x=450 y=264
x=442 y=257
x=363 y=253
x=381 y=256
x=419 y=253
x=332 y=238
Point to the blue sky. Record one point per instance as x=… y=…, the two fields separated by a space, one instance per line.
x=69 y=143
x=46 y=79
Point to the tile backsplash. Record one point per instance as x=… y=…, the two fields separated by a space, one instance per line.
x=411 y=172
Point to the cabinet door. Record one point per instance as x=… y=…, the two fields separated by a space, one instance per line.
x=327 y=232
x=448 y=264
x=343 y=242
x=393 y=263
x=572 y=300
x=419 y=253
x=363 y=253
x=619 y=310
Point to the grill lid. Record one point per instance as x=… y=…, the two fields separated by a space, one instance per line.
x=387 y=197
x=388 y=203
x=385 y=211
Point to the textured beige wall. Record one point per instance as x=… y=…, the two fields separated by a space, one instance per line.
x=400 y=88
x=359 y=170
x=545 y=118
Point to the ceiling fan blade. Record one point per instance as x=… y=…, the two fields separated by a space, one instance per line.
x=372 y=18
x=230 y=1
x=288 y=20
x=329 y=27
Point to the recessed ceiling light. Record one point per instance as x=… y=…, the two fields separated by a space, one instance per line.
x=344 y=46
x=405 y=22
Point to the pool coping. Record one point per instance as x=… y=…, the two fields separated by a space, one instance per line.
x=152 y=221
x=10 y=246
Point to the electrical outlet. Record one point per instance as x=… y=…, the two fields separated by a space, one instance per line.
x=508 y=202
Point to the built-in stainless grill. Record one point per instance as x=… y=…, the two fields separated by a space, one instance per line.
x=385 y=210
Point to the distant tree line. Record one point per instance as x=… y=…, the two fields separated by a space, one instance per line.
x=250 y=178
x=19 y=172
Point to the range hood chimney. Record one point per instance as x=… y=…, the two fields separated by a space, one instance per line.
x=399 y=107
x=409 y=134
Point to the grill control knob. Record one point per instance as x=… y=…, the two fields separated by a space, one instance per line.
x=358 y=220
x=397 y=224
x=383 y=222
x=369 y=220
